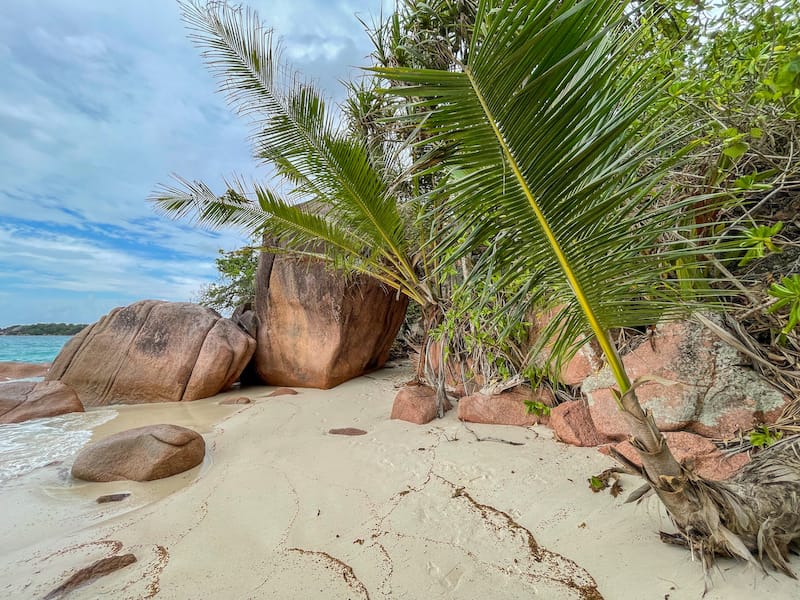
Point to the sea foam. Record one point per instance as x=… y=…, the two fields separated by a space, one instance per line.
x=27 y=446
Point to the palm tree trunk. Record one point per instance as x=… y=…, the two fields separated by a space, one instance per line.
x=756 y=513
x=431 y=367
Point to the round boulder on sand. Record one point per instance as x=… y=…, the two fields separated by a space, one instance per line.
x=416 y=404
x=141 y=454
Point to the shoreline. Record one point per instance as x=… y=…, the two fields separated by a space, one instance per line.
x=282 y=508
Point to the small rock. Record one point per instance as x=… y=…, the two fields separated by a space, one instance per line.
x=416 y=404
x=25 y=400
x=572 y=424
x=347 y=431
x=282 y=391
x=113 y=497
x=507 y=408
x=237 y=400
x=102 y=567
x=141 y=454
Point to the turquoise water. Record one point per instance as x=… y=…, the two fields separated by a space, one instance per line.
x=31 y=348
x=24 y=447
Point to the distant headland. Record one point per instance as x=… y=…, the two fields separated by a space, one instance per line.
x=43 y=329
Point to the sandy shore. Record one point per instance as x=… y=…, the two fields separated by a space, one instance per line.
x=21 y=370
x=283 y=509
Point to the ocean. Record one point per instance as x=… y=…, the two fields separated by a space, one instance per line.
x=31 y=348
x=24 y=447
x=27 y=446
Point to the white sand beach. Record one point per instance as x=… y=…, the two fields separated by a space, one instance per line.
x=282 y=509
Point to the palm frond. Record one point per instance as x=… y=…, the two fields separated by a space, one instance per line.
x=293 y=130
x=552 y=134
x=301 y=230
x=295 y=134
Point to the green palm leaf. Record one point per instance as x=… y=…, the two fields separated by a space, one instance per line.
x=294 y=134
x=550 y=133
x=551 y=142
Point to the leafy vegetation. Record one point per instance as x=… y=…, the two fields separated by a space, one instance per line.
x=43 y=329
x=237 y=280
x=573 y=214
x=343 y=195
x=764 y=437
x=787 y=294
x=616 y=164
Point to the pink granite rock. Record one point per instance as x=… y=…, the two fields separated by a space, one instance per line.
x=415 y=404
x=236 y=400
x=350 y=431
x=141 y=454
x=19 y=370
x=572 y=424
x=586 y=361
x=507 y=408
x=25 y=400
x=153 y=351
x=713 y=394
x=318 y=328
x=282 y=391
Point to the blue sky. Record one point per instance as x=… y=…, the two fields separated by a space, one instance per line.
x=100 y=102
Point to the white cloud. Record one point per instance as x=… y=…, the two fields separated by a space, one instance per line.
x=101 y=102
x=47 y=261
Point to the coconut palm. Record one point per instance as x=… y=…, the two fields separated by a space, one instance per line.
x=353 y=219
x=343 y=192
x=551 y=139
x=353 y=212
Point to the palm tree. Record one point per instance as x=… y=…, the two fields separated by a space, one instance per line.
x=348 y=191
x=552 y=138
x=336 y=195
x=359 y=224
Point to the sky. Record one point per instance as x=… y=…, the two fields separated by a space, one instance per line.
x=100 y=102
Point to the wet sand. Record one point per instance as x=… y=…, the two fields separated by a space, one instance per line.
x=282 y=509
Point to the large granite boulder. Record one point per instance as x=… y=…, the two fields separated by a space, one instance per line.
x=140 y=454
x=711 y=393
x=25 y=400
x=153 y=351
x=317 y=328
